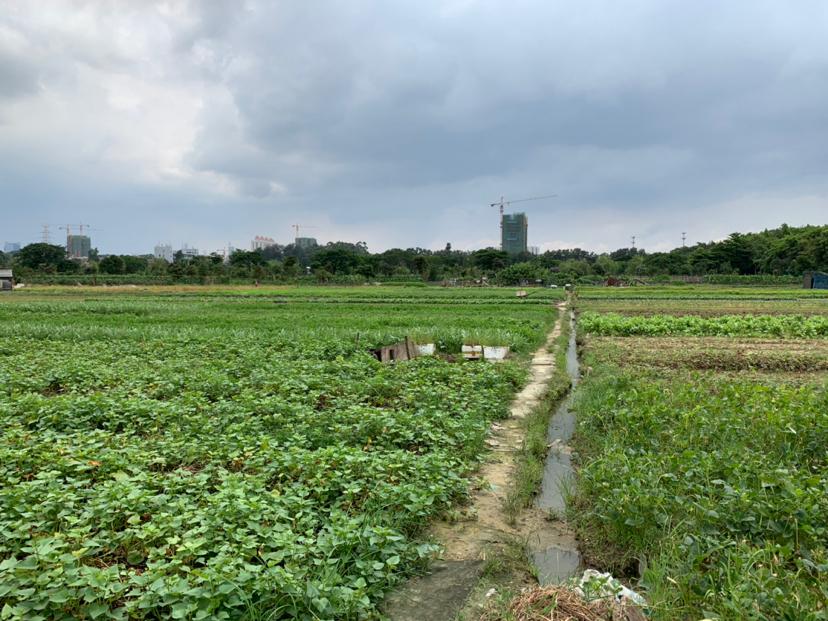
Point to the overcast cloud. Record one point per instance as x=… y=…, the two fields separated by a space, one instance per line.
x=396 y=123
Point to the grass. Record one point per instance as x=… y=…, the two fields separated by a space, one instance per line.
x=772 y=359
x=700 y=292
x=777 y=326
x=707 y=307
x=505 y=572
x=712 y=478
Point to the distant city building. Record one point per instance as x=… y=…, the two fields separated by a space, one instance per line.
x=514 y=233
x=305 y=243
x=260 y=242
x=78 y=246
x=163 y=251
x=10 y=247
x=187 y=251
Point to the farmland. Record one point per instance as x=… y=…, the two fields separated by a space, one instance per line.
x=703 y=473
x=238 y=453
x=232 y=453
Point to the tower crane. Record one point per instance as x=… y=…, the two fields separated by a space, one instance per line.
x=68 y=228
x=502 y=204
x=296 y=228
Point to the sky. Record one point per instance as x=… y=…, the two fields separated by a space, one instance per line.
x=397 y=123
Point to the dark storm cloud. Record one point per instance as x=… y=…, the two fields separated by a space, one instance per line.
x=397 y=122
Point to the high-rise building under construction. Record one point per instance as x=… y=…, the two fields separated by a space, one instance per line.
x=78 y=246
x=514 y=228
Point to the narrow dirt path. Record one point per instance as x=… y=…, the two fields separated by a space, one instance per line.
x=441 y=594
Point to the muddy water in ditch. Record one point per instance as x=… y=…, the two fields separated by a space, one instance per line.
x=556 y=563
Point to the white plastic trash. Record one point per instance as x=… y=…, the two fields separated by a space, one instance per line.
x=495 y=352
x=596 y=585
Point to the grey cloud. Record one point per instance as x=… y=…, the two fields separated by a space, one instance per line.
x=368 y=111
x=18 y=76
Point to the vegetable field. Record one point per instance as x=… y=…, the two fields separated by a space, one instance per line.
x=703 y=467
x=235 y=454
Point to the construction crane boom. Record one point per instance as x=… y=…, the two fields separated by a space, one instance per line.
x=503 y=202
x=297 y=226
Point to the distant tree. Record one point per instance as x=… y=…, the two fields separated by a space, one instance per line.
x=276 y=251
x=421 y=266
x=290 y=267
x=322 y=275
x=43 y=258
x=736 y=253
x=625 y=254
x=573 y=268
x=518 y=273
x=489 y=259
x=635 y=266
x=338 y=259
x=555 y=256
x=247 y=258
x=157 y=267
x=604 y=266
x=134 y=265
x=112 y=264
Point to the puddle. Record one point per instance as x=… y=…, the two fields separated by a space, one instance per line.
x=557 y=476
x=555 y=565
x=558 y=473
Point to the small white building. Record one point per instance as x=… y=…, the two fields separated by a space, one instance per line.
x=188 y=251
x=261 y=242
x=163 y=251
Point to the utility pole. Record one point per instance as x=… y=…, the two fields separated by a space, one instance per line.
x=633 y=241
x=683 y=239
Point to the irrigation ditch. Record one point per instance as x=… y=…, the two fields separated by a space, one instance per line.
x=513 y=531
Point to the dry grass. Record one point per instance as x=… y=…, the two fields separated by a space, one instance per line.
x=558 y=603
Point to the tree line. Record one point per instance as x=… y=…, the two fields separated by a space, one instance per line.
x=785 y=251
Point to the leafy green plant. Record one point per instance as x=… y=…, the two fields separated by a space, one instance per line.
x=217 y=456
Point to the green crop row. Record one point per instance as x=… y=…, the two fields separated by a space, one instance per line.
x=782 y=326
x=210 y=458
x=237 y=319
x=701 y=292
x=718 y=488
